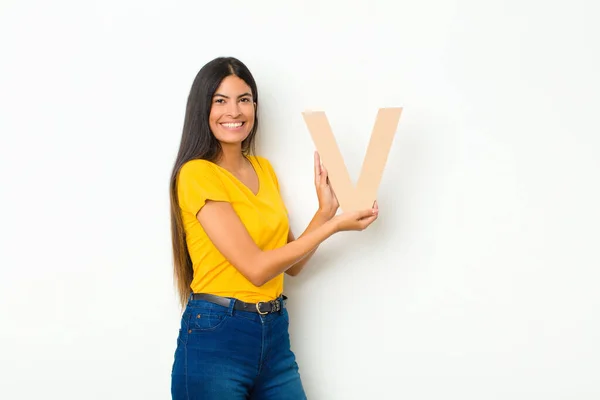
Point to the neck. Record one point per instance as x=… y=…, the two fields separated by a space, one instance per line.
x=232 y=158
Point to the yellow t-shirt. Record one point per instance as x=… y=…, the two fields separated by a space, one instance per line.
x=264 y=216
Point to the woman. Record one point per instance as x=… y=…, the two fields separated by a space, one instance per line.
x=232 y=244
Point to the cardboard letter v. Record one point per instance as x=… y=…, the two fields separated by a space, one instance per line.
x=365 y=193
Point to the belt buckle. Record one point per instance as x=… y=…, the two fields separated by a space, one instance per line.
x=258 y=309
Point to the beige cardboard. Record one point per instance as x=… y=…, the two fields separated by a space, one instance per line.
x=365 y=193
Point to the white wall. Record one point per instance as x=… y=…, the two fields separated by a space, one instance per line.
x=479 y=280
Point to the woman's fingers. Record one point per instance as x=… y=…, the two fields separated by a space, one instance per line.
x=366 y=214
x=324 y=175
x=370 y=217
x=321 y=175
x=317 y=167
x=365 y=222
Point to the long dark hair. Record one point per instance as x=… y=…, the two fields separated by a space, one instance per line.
x=198 y=142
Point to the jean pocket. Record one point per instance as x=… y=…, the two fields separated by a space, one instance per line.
x=206 y=320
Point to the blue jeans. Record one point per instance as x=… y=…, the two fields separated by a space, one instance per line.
x=223 y=353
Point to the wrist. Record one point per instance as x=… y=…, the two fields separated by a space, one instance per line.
x=324 y=215
x=332 y=226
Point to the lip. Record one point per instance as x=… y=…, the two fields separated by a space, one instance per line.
x=233 y=125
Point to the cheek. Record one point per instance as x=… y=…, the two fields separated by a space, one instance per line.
x=213 y=117
x=250 y=112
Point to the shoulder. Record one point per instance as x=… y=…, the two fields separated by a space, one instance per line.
x=198 y=181
x=263 y=163
x=198 y=169
x=200 y=173
x=267 y=168
x=260 y=159
x=197 y=166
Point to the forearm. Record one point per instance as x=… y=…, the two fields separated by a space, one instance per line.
x=318 y=219
x=274 y=262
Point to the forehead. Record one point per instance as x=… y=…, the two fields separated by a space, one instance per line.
x=233 y=86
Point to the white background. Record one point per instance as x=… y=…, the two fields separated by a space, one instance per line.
x=478 y=281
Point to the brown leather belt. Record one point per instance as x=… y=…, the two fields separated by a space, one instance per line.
x=262 y=308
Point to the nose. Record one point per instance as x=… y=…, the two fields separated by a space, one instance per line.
x=233 y=109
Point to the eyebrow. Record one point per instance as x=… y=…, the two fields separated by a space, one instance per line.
x=241 y=95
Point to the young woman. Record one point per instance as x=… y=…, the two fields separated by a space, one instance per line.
x=232 y=243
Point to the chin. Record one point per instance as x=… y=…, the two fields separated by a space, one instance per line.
x=230 y=138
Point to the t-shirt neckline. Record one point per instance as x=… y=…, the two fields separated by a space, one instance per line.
x=260 y=183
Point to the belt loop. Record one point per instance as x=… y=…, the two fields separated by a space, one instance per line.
x=282 y=299
x=231 y=307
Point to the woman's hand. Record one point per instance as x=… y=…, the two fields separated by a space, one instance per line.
x=356 y=220
x=328 y=202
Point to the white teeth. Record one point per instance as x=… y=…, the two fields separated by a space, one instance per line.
x=232 y=125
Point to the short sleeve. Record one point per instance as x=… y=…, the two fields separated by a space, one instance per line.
x=198 y=182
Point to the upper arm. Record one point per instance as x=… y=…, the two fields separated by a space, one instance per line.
x=231 y=238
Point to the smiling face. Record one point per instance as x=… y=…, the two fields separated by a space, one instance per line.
x=232 y=111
